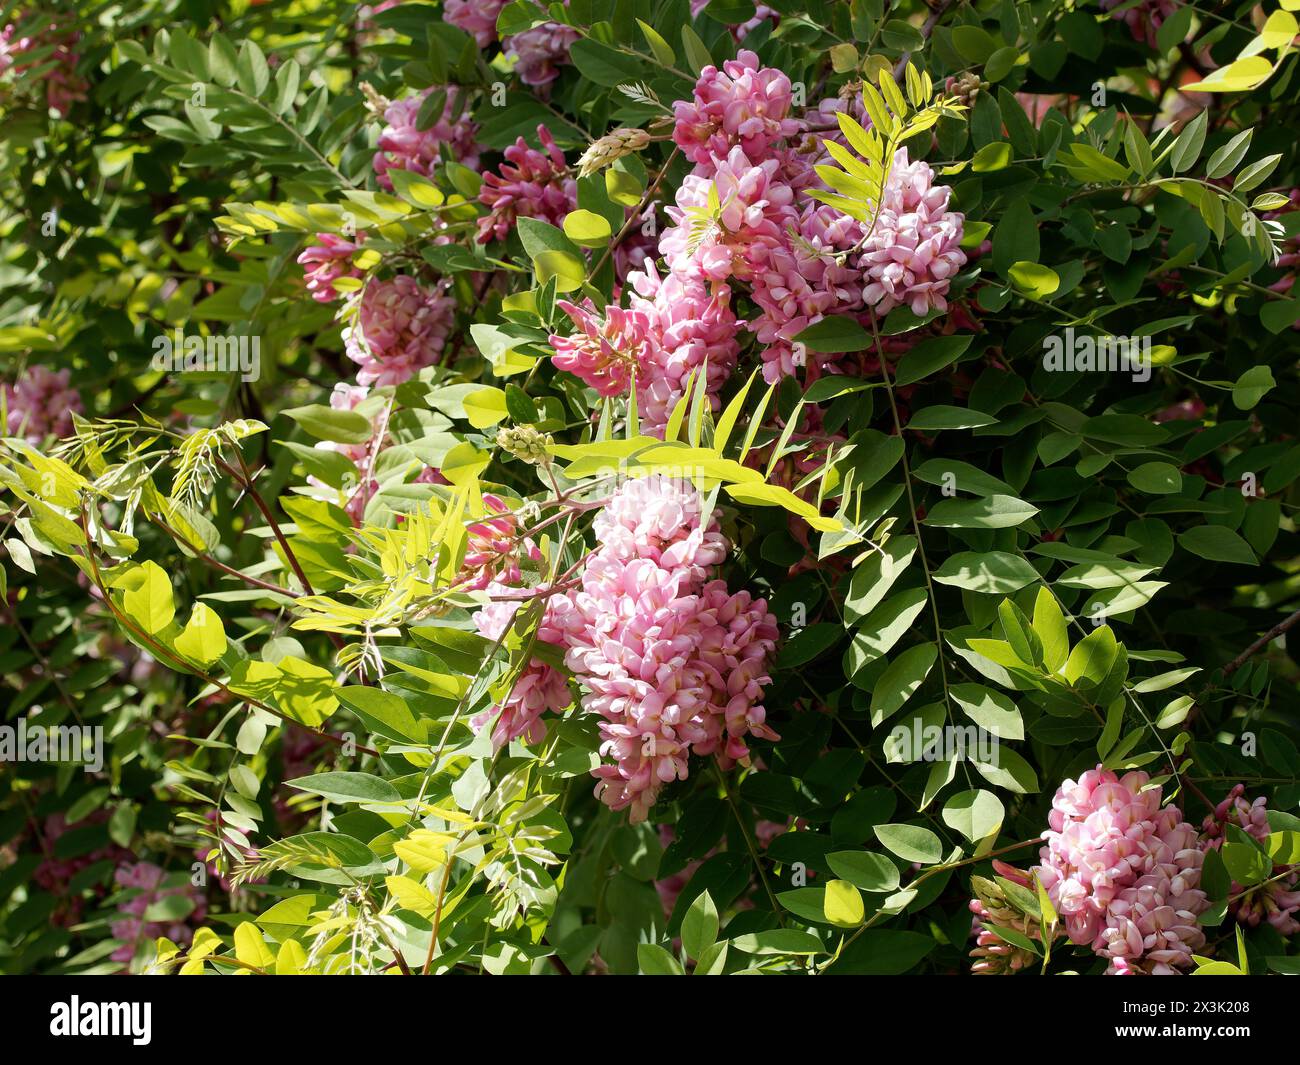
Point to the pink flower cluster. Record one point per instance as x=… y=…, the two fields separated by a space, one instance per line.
x=531 y=184
x=800 y=260
x=63 y=85
x=495 y=548
x=671 y=661
x=329 y=259
x=538 y=52
x=144 y=881
x=400 y=328
x=404 y=146
x=537 y=689
x=1276 y=901
x=1123 y=873
x=41 y=403
x=478 y=18
x=915 y=249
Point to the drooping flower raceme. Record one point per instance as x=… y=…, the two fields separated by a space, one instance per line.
x=540 y=52
x=742 y=105
x=496 y=545
x=531 y=184
x=914 y=250
x=40 y=403
x=539 y=687
x=329 y=259
x=404 y=146
x=1123 y=873
x=606 y=349
x=672 y=662
x=400 y=327
x=1276 y=901
x=478 y=18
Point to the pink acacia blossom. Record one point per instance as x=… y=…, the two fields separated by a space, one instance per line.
x=914 y=250
x=143 y=883
x=40 y=403
x=329 y=259
x=539 y=688
x=606 y=349
x=1276 y=901
x=671 y=661
x=742 y=105
x=400 y=328
x=495 y=549
x=531 y=184
x=478 y=18
x=540 y=52
x=404 y=146
x=1124 y=873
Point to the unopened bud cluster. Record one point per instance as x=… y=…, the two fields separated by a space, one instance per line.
x=610 y=148
x=525 y=443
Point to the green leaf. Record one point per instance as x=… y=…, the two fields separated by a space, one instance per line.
x=987 y=571
x=868 y=871
x=700 y=925
x=204 y=638
x=900 y=681
x=1092 y=657
x=336 y=426
x=1049 y=624
x=843 y=905
x=835 y=334
x=587 y=228
x=348 y=787
x=939 y=416
x=1252 y=386
x=985 y=512
x=912 y=843
x=149 y=603
x=1034 y=279
x=990 y=710
x=976 y=814
x=1216 y=543
x=651 y=958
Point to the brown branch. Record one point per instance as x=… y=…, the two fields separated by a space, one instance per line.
x=1268 y=637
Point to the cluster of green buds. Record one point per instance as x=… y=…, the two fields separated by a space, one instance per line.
x=525 y=443
x=995 y=906
x=610 y=148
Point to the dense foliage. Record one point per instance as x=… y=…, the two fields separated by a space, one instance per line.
x=670 y=487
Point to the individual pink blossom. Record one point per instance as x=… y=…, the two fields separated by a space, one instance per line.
x=478 y=18
x=329 y=259
x=1276 y=901
x=404 y=146
x=41 y=403
x=540 y=52
x=1124 y=873
x=606 y=349
x=143 y=885
x=531 y=184
x=914 y=250
x=400 y=328
x=742 y=105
